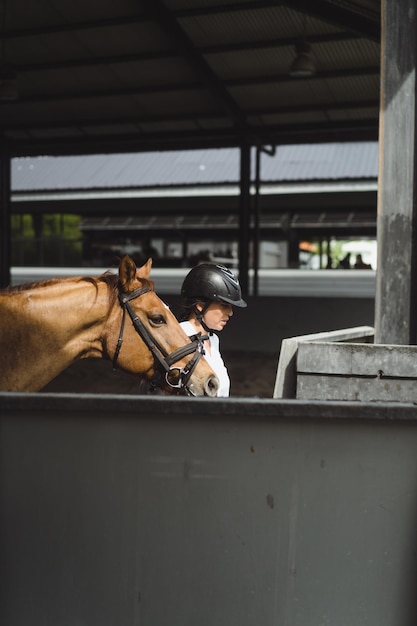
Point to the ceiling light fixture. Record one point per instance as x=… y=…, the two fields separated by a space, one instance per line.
x=303 y=65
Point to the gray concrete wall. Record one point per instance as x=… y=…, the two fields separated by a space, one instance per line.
x=172 y=512
x=356 y=371
x=286 y=377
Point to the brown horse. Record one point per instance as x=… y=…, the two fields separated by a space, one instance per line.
x=46 y=326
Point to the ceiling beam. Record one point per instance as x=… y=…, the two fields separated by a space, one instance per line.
x=351 y=17
x=335 y=10
x=190 y=117
x=359 y=20
x=356 y=130
x=353 y=72
x=72 y=27
x=193 y=86
x=281 y=42
x=127 y=20
x=160 y=55
x=157 y=10
x=352 y=105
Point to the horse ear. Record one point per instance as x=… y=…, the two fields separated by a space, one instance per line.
x=127 y=273
x=145 y=270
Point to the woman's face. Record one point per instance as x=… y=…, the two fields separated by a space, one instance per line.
x=217 y=315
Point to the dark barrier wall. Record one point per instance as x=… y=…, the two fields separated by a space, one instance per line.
x=269 y=319
x=171 y=512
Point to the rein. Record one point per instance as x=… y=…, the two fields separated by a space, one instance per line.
x=175 y=377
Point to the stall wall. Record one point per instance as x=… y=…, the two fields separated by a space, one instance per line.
x=159 y=511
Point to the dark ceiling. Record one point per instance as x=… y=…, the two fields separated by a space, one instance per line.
x=97 y=76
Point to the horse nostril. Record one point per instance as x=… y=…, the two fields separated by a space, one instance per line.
x=211 y=387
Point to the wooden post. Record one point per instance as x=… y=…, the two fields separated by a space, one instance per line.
x=395 y=302
x=5 y=229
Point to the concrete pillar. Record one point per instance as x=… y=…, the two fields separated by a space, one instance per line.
x=395 y=302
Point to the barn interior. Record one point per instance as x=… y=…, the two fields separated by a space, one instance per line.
x=87 y=78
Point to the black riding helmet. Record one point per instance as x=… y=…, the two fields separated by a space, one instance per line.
x=211 y=282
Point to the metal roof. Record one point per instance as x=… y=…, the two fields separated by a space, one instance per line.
x=329 y=161
x=224 y=227
x=137 y=75
x=335 y=161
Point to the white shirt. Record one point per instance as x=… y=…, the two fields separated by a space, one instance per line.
x=214 y=359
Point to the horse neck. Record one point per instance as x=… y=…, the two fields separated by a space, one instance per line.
x=46 y=328
x=74 y=308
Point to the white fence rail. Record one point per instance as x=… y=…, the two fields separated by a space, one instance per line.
x=272 y=282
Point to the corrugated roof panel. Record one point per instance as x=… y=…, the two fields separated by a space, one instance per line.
x=288 y=96
x=151 y=73
x=346 y=54
x=196 y=167
x=240 y=64
x=359 y=113
x=182 y=102
x=322 y=162
x=126 y=170
x=271 y=22
x=344 y=89
x=87 y=69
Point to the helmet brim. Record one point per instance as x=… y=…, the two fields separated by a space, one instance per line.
x=241 y=303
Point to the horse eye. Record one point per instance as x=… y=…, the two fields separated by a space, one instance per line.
x=157 y=320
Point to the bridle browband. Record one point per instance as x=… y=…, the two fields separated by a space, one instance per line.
x=175 y=377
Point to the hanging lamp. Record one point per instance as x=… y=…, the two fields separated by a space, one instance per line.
x=303 y=65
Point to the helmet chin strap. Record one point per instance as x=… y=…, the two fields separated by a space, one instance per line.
x=199 y=315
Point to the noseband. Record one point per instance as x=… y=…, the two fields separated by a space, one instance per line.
x=175 y=377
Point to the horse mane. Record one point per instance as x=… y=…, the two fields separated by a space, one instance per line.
x=113 y=284
x=110 y=279
x=11 y=289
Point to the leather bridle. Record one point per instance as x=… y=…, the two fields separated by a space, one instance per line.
x=175 y=377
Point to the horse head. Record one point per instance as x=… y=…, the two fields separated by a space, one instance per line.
x=154 y=345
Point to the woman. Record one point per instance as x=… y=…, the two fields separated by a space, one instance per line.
x=208 y=293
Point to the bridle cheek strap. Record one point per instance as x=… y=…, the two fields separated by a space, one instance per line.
x=175 y=377
x=124 y=301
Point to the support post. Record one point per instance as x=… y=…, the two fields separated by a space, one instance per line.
x=257 y=214
x=244 y=218
x=5 y=214
x=395 y=302
x=256 y=220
